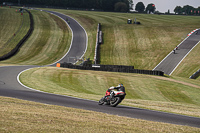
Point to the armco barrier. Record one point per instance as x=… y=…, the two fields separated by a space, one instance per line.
x=112 y=68
x=16 y=49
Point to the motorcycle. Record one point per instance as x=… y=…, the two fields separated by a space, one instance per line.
x=113 y=99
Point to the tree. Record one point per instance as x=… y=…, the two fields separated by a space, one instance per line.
x=130 y=2
x=188 y=9
x=198 y=10
x=121 y=7
x=140 y=7
x=108 y=5
x=178 y=10
x=150 y=8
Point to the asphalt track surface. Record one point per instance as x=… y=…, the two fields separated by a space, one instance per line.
x=10 y=87
x=172 y=60
x=79 y=39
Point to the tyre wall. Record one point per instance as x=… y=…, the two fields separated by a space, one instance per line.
x=111 y=68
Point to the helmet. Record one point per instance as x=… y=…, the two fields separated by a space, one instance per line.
x=119 y=85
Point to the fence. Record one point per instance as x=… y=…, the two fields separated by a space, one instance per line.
x=111 y=68
x=16 y=49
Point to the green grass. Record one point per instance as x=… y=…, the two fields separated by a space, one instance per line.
x=143 y=46
x=11 y=23
x=175 y=95
x=49 y=41
x=25 y=116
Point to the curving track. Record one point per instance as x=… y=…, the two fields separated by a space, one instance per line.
x=10 y=87
x=172 y=60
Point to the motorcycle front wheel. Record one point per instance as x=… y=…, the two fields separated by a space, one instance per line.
x=101 y=101
x=115 y=101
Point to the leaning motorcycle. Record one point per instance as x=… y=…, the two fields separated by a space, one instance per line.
x=113 y=99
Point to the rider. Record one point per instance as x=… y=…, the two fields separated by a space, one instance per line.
x=120 y=87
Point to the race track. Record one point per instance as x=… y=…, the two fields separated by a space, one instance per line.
x=171 y=62
x=10 y=87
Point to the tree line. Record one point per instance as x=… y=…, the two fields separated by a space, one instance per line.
x=141 y=8
x=105 y=5
x=188 y=10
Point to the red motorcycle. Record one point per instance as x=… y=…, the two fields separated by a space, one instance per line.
x=112 y=98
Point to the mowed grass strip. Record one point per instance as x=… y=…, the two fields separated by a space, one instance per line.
x=24 y=116
x=13 y=27
x=49 y=41
x=175 y=95
x=9 y=23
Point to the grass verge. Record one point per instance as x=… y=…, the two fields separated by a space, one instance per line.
x=14 y=27
x=174 y=94
x=25 y=116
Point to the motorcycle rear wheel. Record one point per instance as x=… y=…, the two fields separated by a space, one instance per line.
x=115 y=101
x=101 y=101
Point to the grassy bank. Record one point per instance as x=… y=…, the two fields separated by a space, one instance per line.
x=142 y=46
x=49 y=41
x=24 y=116
x=174 y=94
x=14 y=27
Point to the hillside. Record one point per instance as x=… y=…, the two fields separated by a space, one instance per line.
x=142 y=46
x=14 y=27
x=49 y=41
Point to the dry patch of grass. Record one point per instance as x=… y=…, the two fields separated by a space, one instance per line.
x=24 y=116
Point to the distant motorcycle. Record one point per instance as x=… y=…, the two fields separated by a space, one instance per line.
x=113 y=99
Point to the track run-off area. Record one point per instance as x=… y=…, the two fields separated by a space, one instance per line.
x=10 y=85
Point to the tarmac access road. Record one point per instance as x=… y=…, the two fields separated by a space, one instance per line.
x=174 y=58
x=11 y=87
